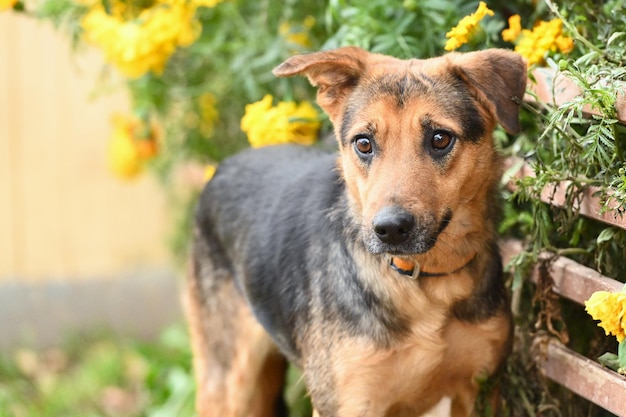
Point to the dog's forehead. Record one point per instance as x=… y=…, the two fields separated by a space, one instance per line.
x=427 y=86
x=382 y=64
x=406 y=79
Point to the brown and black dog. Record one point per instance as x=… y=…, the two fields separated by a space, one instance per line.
x=376 y=271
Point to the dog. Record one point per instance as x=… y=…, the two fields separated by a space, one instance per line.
x=376 y=269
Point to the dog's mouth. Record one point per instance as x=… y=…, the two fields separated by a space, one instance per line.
x=396 y=232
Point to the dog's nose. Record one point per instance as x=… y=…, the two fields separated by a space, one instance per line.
x=393 y=225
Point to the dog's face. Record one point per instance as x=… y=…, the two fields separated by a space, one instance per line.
x=415 y=138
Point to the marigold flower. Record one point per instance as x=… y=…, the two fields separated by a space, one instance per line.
x=122 y=154
x=7 y=4
x=208 y=113
x=206 y=3
x=465 y=29
x=132 y=142
x=610 y=309
x=286 y=122
x=565 y=44
x=298 y=34
x=209 y=172
x=514 y=29
x=546 y=36
x=145 y=42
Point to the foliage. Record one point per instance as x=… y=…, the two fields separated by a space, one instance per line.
x=587 y=151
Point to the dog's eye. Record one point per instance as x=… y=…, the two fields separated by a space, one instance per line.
x=441 y=140
x=363 y=145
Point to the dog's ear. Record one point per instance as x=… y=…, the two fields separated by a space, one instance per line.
x=335 y=73
x=500 y=75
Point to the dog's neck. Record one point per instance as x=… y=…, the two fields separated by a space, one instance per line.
x=414 y=270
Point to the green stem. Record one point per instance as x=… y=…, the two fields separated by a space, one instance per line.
x=618 y=148
x=572 y=251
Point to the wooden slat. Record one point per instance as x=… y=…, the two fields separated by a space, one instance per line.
x=552 y=87
x=584 y=377
x=590 y=205
x=571 y=279
x=63 y=215
x=577 y=282
x=9 y=129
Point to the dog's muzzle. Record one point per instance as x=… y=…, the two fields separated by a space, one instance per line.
x=396 y=231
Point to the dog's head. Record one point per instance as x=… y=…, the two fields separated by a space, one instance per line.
x=415 y=138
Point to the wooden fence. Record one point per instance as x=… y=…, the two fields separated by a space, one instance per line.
x=584 y=376
x=79 y=248
x=63 y=216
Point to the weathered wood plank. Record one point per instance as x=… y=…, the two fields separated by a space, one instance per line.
x=584 y=377
x=63 y=215
x=571 y=279
x=577 y=282
x=554 y=88
x=590 y=205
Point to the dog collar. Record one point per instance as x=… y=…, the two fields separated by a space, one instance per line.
x=413 y=269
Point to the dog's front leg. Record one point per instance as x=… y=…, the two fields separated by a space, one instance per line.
x=463 y=404
x=239 y=372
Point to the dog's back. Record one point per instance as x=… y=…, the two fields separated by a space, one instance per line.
x=273 y=206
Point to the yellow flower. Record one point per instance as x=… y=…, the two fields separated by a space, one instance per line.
x=123 y=156
x=514 y=30
x=131 y=144
x=286 y=122
x=140 y=41
x=565 y=44
x=546 y=36
x=209 y=172
x=7 y=4
x=298 y=34
x=206 y=3
x=465 y=29
x=610 y=309
x=208 y=113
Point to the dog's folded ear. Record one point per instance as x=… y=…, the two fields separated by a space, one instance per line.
x=335 y=73
x=499 y=77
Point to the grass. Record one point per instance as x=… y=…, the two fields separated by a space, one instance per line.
x=104 y=375
x=100 y=376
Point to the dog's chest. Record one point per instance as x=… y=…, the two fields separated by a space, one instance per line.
x=413 y=373
x=414 y=376
x=403 y=379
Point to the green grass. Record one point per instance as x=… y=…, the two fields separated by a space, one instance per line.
x=105 y=375
x=100 y=376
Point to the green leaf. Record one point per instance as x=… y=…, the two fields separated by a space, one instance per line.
x=621 y=354
x=606 y=235
x=610 y=360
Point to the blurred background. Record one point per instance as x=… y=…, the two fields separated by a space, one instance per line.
x=114 y=113
x=74 y=237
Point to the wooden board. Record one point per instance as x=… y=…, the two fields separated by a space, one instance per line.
x=590 y=205
x=585 y=377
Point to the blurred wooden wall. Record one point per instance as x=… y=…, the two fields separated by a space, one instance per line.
x=63 y=216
